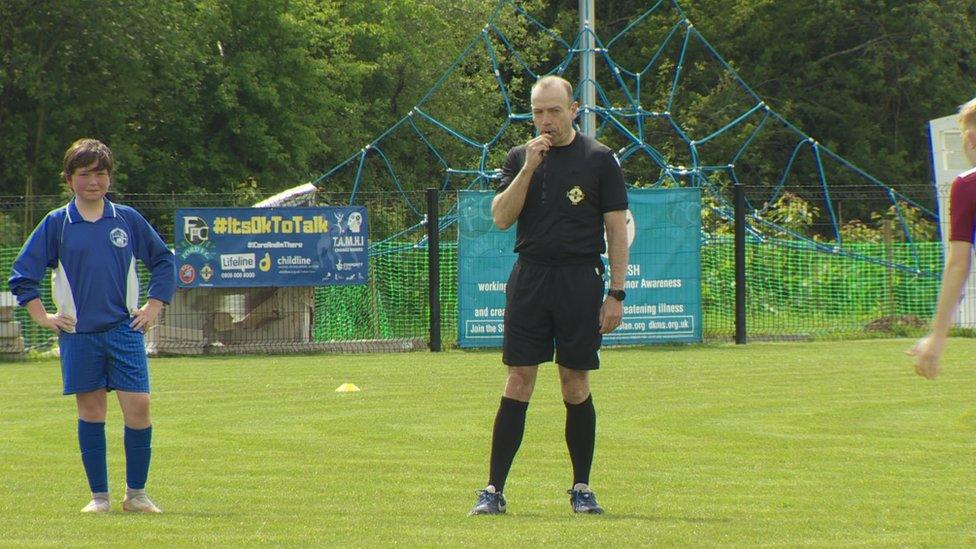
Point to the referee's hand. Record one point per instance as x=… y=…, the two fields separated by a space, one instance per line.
x=536 y=149
x=611 y=313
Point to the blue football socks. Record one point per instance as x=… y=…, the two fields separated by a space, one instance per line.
x=91 y=440
x=138 y=451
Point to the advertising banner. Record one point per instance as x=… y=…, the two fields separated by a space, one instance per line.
x=663 y=281
x=256 y=247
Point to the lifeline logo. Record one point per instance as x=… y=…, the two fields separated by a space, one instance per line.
x=231 y=262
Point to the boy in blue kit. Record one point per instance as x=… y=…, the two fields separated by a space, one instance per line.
x=91 y=245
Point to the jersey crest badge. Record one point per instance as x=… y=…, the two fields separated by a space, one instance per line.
x=575 y=195
x=118 y=237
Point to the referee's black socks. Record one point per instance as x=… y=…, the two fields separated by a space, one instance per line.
x=506 y=437
x=581 y=438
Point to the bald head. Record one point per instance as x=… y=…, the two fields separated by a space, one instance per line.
x=553 y=109
x=558 y=82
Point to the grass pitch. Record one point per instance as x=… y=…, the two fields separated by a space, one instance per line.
x=790 y=444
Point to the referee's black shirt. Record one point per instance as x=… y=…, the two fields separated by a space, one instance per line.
x=562 y=220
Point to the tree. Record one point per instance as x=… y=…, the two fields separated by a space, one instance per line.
x=213 y=95
x=69 y=69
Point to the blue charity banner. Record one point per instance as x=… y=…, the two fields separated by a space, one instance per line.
x=663 y=281
x=255 y=247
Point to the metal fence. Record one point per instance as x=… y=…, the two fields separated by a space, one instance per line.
x=793 y=291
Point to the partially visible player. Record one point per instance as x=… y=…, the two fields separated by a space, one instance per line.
x=962 y=222
x=91 y=244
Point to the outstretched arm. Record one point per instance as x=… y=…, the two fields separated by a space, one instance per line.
x=929 y=349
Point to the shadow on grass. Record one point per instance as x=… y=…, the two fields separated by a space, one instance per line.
x=614 y=516
x=167 y=513
x=655 y=518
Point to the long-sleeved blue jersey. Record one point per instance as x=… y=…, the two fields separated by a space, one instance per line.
x=94 y=264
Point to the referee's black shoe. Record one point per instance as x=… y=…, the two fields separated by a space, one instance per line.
x=489 y=502
x=583 y=500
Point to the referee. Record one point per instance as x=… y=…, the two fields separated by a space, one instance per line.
x=564 y=189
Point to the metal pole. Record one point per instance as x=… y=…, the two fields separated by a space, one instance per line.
x=740 y=263
x=587 y=89
x=434 y=268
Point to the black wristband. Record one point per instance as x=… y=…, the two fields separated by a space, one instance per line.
x=619 y=295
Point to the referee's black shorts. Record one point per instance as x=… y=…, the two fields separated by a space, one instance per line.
x=553 y=308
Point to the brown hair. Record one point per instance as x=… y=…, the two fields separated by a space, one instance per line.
x=85 y=152
x=967 y=115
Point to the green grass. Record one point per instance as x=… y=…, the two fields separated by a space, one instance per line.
x=785 y=444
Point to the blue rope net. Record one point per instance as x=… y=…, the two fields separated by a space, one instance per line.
x=668 y=130
x=677 y=114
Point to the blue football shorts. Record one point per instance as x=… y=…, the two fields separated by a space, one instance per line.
x=113 y=359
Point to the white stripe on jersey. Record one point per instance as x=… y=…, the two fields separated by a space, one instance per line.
x=132 y=287
x=61 y=293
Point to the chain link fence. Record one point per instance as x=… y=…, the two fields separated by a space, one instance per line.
x=794 y=291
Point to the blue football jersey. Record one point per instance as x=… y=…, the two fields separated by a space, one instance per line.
x=94 y=264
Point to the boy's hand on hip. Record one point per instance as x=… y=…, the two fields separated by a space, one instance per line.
x=144 y=317
x=57 y=322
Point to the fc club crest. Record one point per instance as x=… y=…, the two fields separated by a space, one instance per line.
x=195 y=230
x=118 y=237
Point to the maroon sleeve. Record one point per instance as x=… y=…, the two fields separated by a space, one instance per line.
x=962 y=203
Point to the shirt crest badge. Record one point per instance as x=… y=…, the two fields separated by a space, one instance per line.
x=118 y=237
x=575 y=195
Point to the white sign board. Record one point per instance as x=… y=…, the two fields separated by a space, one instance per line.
x=948 y=161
